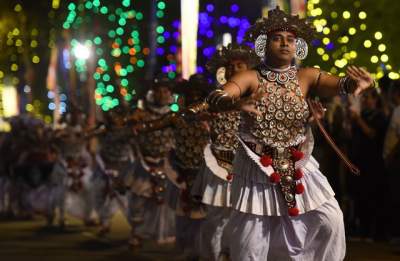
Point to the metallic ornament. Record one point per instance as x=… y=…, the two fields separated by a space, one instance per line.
x=260 y=45
x=220 y=75
x=301 y=49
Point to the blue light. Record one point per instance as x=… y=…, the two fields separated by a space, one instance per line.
x=160 y=51
x=176 y=24
x=234 y=8
x=199 y=43
x=173 y=49
x=199 y=69
x=316 y=42
x=167 y=35
x=52 y=106
x=223 y=19
x=210 y=34
x=176 y=35
x=165 y=69
x=210 y=8
x=50 y=95
x=330 y=46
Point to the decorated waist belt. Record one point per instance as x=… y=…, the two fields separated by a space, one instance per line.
x=224 y=158
x=285 y=174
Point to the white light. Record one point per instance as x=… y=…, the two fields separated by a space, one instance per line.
x=10 y=101
x=226 y=39
x=27 y=89
x=81 y=51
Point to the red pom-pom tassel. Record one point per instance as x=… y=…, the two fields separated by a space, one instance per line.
x=298 y=174
x=229 y=177
x=299 y=188
x=297 y=154
x=293 y=212
x=275 y=177
x=266 y=160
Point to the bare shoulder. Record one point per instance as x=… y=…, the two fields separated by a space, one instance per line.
x=308 y=72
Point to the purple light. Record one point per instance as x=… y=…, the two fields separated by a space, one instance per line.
x=167 y=35
x=160 y=51
x=223 y=19
x=234 y=8
x=199 y=43
x=199 y=69
x=173 y=49
x=232 y=21
x=330 y=46
x=207 y=52
x=210 y=8
x=210 y=34
x=165 y=69
x=176 y=24
x=173 y=67
x=176 y=35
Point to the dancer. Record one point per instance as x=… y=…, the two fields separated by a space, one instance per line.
x=213 y=182
x=284 y=208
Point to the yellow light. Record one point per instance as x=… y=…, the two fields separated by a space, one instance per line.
x=388 y=67
x=344 y=39
x=352 y=31
x=335 y=27
x=323 y=22
x=342 y=74
x=379 y=75
x=1 y=74
x=315 y=2
x=378 y=35
x=319 y=28
x=334 y=70
x=56 y=4
x=367 y=43
x=47 y=119
x=29 y=107
x=347 y=56
x=384 y=58
x=374 y=59
x=316 y=66
x=15 y=31
x=334 y=15
x=316 y=12
x=394 y=75
x=344 y=48
x=34 y=43
x=35 y=32
x=362 y=15
x=325 y=57
x=320 y=51
x=326 y=40
x=10 y=101
x=346 y=14
x=15 y=81
x=353 y=54
x=341 y=63
x=14 y=67
x=363 y=27
x=382 y=47
x=35 y=59
x=326 y=30
x=18 y=8
x=18 y=42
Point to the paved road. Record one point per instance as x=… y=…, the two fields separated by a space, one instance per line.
x=28 y=241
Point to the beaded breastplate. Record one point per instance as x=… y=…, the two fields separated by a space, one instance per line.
x=224 y=127
x=156 y=143
x=190 y=141
x=279 y=129
x=284 y=111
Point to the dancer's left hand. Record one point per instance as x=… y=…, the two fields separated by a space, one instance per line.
x=361 y=77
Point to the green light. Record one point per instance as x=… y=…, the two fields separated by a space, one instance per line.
x=129 y=68
x=122 y=22
x=137 y=48
x=126 y=3
x=171 y=75
x=88 y=5
x=66 y=25
x=160 y=14
x=99 y=101
x=160 y=29
x=139 y=16
x=102 y=62
x=120 y=31
x=124 y=82
x=123 y=72
x=128 y=97
x=119 y=11
x=174 y=107
x=110 y=88
x=100 y=85
x=96 y=3
x=111 y=18
x=99 y=51
x=140 y=63
x=97 y=40
x=71 y=6
x=104 y=10
x=115 y=102
x=105 y=107
x=118 y=41
x=96 y=76
x=160 y=39
x=161 y=5
x=116 y=52
x=106 y=77
x=125 y=49
x=111 y=33
x=135 y=34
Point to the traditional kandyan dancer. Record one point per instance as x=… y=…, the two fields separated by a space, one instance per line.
x=150 y=215
x=213 y=182
x=283 y=207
